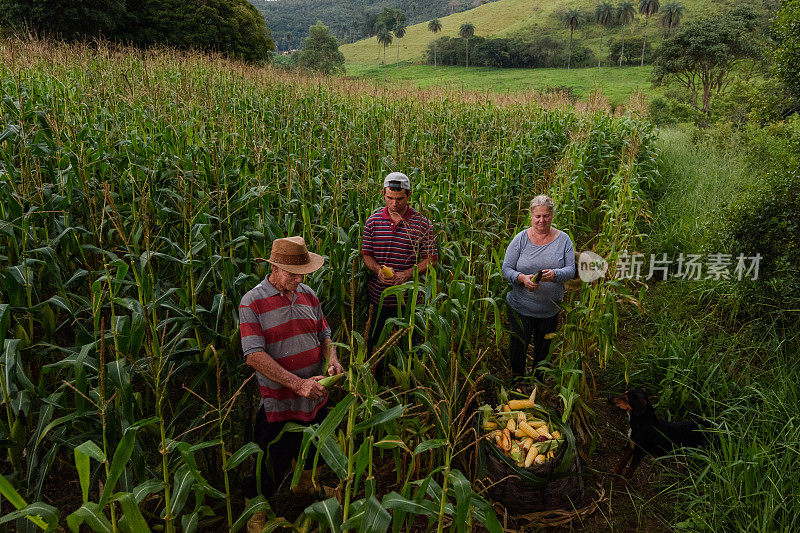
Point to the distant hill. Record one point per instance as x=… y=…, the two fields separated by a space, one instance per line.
x=348 y=20
x=506 y=18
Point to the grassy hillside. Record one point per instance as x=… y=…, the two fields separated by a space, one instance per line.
x=506 y=18
x=489 y=19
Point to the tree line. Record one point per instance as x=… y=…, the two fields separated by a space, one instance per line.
x=232 y=27
x=546 y=50
x=347 y=21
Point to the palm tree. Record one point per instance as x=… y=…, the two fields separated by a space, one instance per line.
x=647 y=8
x=399 y=33
x=384 y=39
x=572 y=20
x=671 y=15
x=434 y=26
x=379 y=29
x=603 y=14
x=625 y=15
x=467 y=31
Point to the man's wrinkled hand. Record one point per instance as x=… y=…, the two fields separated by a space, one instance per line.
x=383 y=279
x=310 y=388
x=401 y=277
x=334 y=367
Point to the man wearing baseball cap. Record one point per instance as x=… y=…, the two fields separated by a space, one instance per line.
x=396 y=239
x=285 y=339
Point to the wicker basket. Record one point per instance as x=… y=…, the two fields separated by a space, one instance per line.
x=556 y=484
x=520 y=495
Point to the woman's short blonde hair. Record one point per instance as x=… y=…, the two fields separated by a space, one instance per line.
x=544 y=200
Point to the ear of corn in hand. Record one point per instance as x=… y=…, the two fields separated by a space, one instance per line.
x=330 y=381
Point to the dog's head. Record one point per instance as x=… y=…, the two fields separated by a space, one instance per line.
x=633 y=401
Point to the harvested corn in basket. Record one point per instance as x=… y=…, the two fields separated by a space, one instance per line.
x=529 y=456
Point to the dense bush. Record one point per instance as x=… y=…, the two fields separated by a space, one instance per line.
x=539 y=51
x=320 y=52
x=232 y=27
x=766 y=220
x=786 y=55
x=758 y=101
x=633 y=51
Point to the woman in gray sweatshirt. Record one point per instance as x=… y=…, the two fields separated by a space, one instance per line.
x=533 y=306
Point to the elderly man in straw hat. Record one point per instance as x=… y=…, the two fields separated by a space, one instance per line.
x=285 y=338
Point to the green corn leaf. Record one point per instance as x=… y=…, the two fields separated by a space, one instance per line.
x=58 y=421
x=42 y=515
x=463 y=491
x=189 y=522
x=326 y=512
x=121 y=457
x=322 y=433
x=394 y=501
x=334 y=457
x=182 y=486
x=361 y=461
x=243 y=453
x=380 y=418
x=11 y=494
x=90 y=514
x=376 y=518
x=82 y=454
x=392 y=442
x=254 y=505
x=485 y=513
x=134 y=521
x=142 y=490
x=430 y=444
x=5 y=321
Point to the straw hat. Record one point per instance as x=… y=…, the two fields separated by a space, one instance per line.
x=291 y=254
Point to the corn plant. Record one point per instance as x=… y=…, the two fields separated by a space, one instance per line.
x=138 y=191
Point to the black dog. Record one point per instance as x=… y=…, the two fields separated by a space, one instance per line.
x=649 y=434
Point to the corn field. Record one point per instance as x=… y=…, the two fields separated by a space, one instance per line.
x=137 y=192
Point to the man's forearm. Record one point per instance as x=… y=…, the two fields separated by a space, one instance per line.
x=422 y=266
x=267 y=366
x=371 y=264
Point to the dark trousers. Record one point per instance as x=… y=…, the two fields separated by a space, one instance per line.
x=278 y=455
x=522 y=328
x=378 y=322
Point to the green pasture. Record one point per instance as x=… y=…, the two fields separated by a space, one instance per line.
x=616 y=83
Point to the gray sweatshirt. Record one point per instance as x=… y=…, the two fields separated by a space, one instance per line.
x=524 y=257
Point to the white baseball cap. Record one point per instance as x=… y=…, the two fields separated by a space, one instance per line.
x=397 y=179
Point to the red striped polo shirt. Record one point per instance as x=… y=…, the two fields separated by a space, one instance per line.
x=399 y=246
x=292 y=332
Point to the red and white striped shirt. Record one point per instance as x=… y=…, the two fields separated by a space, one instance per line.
x=292 y=332
x=399 y=246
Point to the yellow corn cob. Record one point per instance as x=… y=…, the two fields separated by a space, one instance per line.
x=519 y=404
x=532 y=453
x=529 y=430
